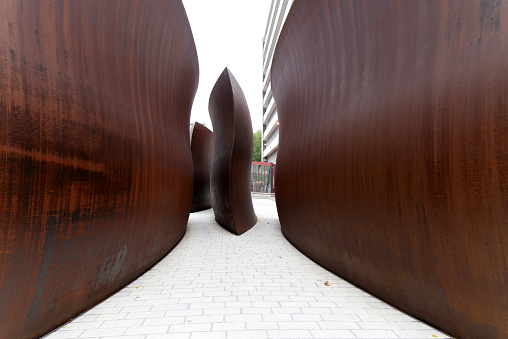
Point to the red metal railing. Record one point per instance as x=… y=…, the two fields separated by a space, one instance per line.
x=262 y=177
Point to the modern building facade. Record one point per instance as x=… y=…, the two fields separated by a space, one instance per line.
x=278 y=12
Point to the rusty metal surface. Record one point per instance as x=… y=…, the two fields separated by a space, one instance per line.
x=95 y=161
x=232 y=155
x=392 y=168
x=202 y=154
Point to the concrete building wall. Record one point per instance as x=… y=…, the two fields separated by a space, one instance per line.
x=278 y=12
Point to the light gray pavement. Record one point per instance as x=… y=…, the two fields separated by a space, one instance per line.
x=218 y=285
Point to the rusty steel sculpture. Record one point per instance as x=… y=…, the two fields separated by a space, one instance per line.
x=95 y=160
x=202 y=154
x=392 y=167
x=232 y=155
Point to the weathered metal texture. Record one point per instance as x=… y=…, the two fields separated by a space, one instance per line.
x=202 y=154
x=95 y=160
x=392 y=168
x=232 y=155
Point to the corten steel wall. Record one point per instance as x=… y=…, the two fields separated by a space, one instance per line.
x=392 y=168
x=232 y=155
x=202 y=154
x=95 y=161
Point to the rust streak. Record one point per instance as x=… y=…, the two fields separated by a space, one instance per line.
x=48 y=157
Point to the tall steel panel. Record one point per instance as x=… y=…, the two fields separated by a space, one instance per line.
x=392 y=168
x=202 y=155
x=95 y=161
x=232 y=155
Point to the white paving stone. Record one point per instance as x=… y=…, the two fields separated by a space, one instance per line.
x=62 y=333
x=374 y=334
x=218 y=285
x=332 y=334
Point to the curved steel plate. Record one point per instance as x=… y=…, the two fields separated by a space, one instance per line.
x=232 y=155
x=202 y=154
x=392 y=168
x=95 y=161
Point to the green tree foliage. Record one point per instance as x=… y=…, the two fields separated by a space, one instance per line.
x=256 y=155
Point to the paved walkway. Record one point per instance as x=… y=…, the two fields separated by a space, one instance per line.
x=257 y=285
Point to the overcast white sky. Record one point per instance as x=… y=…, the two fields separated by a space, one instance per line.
x=229 y=33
